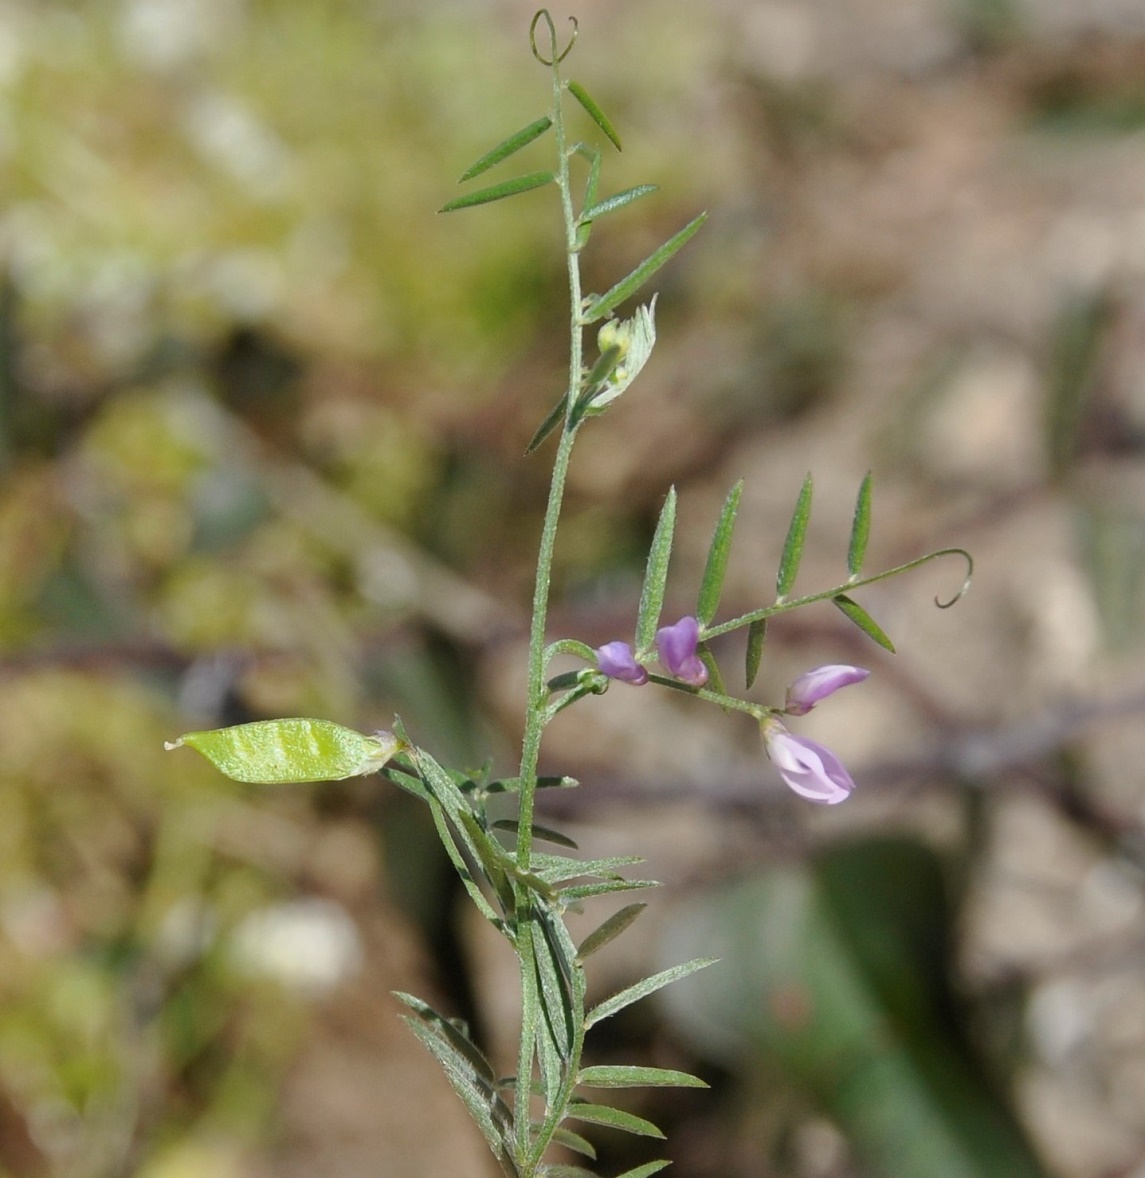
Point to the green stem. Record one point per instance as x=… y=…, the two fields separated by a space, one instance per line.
x=536 y=711
x=534 y=718
x=556 y=1112
x=727 y=702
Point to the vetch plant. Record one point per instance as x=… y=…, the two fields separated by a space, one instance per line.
x=524 y=892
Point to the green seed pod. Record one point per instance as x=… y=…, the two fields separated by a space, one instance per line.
x=279 y=752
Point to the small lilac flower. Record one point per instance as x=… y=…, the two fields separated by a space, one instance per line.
x=812 y=771
x=676 y=646
x=616 y=660
x=812 y=686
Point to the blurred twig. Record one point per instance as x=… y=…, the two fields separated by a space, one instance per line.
x=391 y=569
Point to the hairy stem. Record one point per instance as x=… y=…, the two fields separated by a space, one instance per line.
x=536 y=709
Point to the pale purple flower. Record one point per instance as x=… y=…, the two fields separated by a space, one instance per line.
x=616 y=660
x=676 y=646
x=812 y=771
x=812 y=686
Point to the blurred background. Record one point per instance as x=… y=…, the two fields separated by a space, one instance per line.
x=262 y=416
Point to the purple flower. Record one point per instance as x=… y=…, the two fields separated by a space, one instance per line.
x=812 y=771
x=676 y=646
x=615 y=659
x=812 y=686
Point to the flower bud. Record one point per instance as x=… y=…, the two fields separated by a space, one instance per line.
x=812 y=686
x=676 y=646
x=634 y=339
x=616 y=660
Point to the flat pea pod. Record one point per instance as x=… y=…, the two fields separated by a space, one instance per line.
x=280 y=752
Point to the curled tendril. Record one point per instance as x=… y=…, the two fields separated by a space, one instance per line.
x=543 y=14
x=965 y=581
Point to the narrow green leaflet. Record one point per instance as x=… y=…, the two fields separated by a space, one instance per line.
x=452 y=811
x=864 y=621
x=577 y=892
x=556 y=997
x=617 y=201
x=860 y=528
x=452 y=1034
x=544 y=833
x=642 y=989
x=609 y=930
x=575 y=1142
x=441 y=784
x=714 y=571
x=636 y=1076
x=565 y=955
x=547 y=1023
x=612 y=1118
x=592 y=185
x=646 y=1170
x=495 y=862
x=507 y=147
x=756 y=636
x=555 y=416
x=499 y=191
x=410 y=782
x=595 y=113
x=550 y=1061
x=281 y=752
x=465 y=1081
x=628 y=286
x=560 y=1170
x=445 y=835
x=656 y=574
x=793 y=545
x=535 y=884
x=555 y=868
